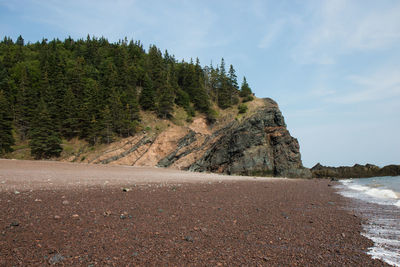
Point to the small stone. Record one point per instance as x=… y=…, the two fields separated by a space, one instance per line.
x=285 y=215
x=189 y=238
x=38 y=200
x=56 y=217
x=17 y=192
x=126 y=189
x=107 y=213
x=343 y=235
x=15 y=223
x=57 y=258
x=65 y=202
x=75 y=216
x=122 y=216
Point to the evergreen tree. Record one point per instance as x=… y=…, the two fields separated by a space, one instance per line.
x=147 y=96
x=45 y=141
x=94 y=89
x=6 y=137
x=106 y=131
x=245 y=91
x=166 y=102
x=70 y=122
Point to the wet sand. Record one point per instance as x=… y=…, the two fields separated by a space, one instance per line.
x=78 y=215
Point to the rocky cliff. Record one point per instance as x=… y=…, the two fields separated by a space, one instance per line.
x=255 y=144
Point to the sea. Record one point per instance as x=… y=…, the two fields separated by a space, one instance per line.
x=377 y=201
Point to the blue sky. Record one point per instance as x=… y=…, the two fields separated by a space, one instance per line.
x=333 y=66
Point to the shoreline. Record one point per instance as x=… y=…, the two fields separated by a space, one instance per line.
x=227 y=222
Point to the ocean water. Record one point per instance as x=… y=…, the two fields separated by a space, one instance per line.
x=377 y=200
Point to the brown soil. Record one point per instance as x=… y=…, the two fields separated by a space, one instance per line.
x=82 y=217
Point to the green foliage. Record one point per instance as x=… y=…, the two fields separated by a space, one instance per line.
x=248 y=99
x=94 y=90
x=245 y=90
x=45 y=141
x=242 y=108
x=211 y=115
x=6 y=137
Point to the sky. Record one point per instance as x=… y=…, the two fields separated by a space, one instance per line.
x=333 y=66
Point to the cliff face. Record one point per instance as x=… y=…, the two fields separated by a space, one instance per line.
x=260 y=145
x=256 y=144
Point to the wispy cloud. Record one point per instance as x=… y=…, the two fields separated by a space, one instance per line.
x=382 y=85
x=272 y=33
x=339 y=27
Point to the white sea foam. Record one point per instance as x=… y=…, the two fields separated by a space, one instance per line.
x=370 y=193
x=383 y=226
x=390 y=257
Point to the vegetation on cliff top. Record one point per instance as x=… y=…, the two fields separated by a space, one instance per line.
x=94 y=90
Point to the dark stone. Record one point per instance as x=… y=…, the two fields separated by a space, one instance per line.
x=356 y=171
x=14 y=223
x=259 y=146
x=189 y=239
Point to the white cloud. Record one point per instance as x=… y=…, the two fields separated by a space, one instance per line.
x=338 y=27
x=382 y=85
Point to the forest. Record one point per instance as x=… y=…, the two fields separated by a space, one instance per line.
x=93 y=89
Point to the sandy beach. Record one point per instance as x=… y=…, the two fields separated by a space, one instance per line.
x=94 y=215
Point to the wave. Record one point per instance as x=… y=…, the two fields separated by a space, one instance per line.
x=382 y=226
x=373 y=193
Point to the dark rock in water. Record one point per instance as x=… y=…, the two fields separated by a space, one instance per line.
x=356 y=171
x=260 y=145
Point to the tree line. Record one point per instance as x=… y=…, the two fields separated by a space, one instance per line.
x=94 y=90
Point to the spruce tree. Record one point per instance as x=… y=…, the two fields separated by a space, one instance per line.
x=166 y=102
x=245 y=91
x=147 y=96
x=6 y=137
x=233 y=78
x=45 y=141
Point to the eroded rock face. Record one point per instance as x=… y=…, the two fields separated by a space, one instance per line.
x=258 y=144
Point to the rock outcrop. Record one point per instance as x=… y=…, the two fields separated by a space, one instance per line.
x=356 y=171
x=260 y=145
x=255 y=144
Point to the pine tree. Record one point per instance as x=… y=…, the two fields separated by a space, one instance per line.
x=245 y=91
x=147 y=96
x=166 y=102
x=70 y=122
x=45 y=140
x=106 y=132
x=233 y=78
x=6 y=137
